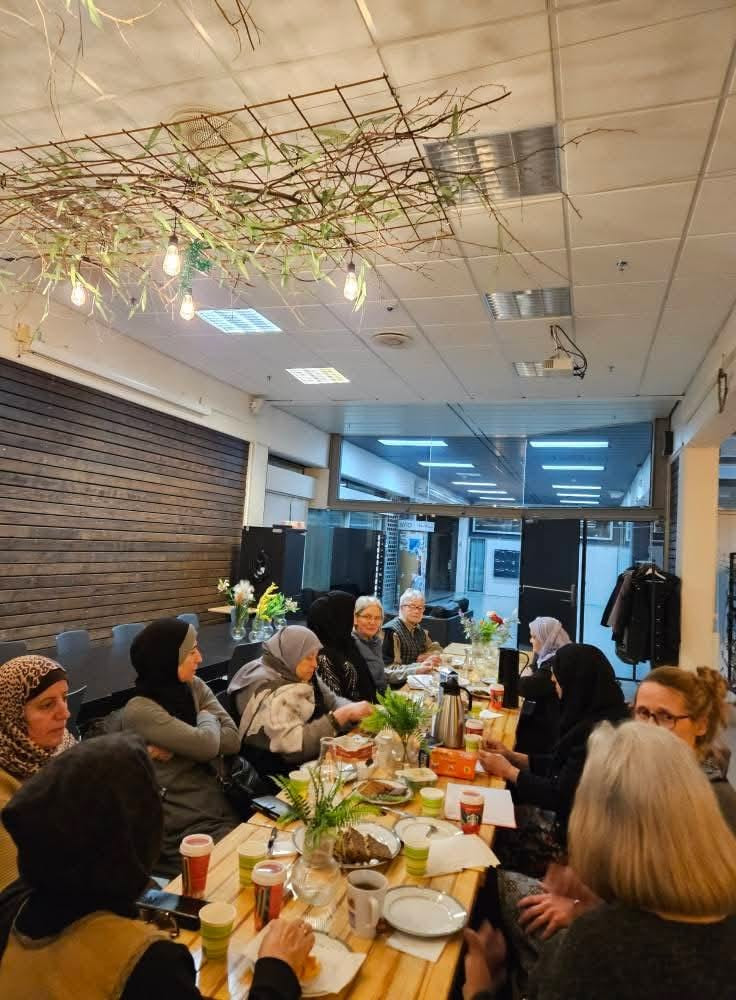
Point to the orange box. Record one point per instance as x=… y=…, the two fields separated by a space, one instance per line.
x=453 y=763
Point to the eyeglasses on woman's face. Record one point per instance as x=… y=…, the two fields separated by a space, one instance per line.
x=660 y=717
x=369 y=616
x=414 y=607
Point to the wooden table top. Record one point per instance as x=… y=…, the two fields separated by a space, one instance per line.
x=386 y=973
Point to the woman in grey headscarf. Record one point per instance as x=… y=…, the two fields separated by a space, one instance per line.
x=285 y=708
x=539 y=728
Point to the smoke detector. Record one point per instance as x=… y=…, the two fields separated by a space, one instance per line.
x=201 y=128
x=394 y=339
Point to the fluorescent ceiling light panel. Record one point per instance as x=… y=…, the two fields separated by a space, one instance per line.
x=568 y=444
x=406 y=443
x=582 y=503
x=499 y=499
x=583 y=496
x=317 y=376
x=572 y=486
x=447 y=465
x=487 y=491
x=575 y=468
x=529 y=303
x=460 y=482
x=236 y=321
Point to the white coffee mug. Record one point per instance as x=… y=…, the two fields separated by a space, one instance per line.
x=366 y=892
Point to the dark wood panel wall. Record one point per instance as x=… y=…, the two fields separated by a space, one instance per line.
x=109 y=512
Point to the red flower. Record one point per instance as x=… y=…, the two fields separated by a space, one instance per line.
x=496 y=618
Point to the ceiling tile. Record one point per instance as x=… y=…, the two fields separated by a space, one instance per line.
x=681 y=344
x=618 y=299
x=666 y=63
x=645 y=262
x=708 y=255
x=453 y=335
x=387 y=314
x=513 y=272
x=710 y=295
x=723 y=156
x=449 y=309
x=397 y=19
x=629 y=216
x=595 y=20
x=642 y=147
x=534 y=225
x=432 y=280
x=715 y=210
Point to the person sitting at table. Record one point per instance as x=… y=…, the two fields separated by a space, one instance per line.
x=539 y=726
x=340 y=663
x=647 y=835
x=405 y=642
x=186 y=730
x=286 y=709
x=369 y=639
x=33 y=714
x=88 y=830
x=543 y=785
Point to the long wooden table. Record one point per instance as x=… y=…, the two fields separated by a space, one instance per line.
x=386 y=973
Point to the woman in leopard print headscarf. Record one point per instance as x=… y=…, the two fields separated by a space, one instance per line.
x=33 y=716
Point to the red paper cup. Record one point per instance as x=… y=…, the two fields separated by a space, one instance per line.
x=195 y=853
x=471 y=811
x=268 y=881
x=496 y=700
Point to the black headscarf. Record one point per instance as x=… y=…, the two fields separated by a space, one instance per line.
x=154 y=654
x=88 y=828
x=331 y=619
x=590 y=691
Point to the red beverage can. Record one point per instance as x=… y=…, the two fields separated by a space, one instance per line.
x=268 y=881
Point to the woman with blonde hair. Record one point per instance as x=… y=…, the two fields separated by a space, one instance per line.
x=647 y=835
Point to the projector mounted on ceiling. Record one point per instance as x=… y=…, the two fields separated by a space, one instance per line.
x=565 y=360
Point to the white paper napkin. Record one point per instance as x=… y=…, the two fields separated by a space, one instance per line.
x=430 y=950
x=338 y=967
x=453 y=854
x=420 y=682
x=498 y=808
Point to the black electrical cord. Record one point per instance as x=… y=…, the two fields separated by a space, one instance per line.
x=578 y=369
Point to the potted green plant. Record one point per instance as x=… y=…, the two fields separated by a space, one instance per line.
x=407 y=717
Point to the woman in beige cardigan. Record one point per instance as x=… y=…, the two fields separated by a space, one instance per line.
x=33 y=716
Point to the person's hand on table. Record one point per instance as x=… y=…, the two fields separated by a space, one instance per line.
x=288 y=940
x=353 y=712
x=547 y=913
x=158 y=753
x=485 y=961
x=497 y=766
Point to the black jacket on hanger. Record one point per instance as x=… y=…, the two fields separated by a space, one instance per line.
x=647 y=619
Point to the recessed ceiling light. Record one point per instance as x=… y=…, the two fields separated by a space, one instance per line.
x=530 y=303
x=568 y=444
x=572 y=486
x=487 y=491
x=582 y=496
x=469 y=474
x=499 y=499
x=575 y=468
x=447 y=465
x=237 y=321
x=460 y=482
x=581 y=503
x=317 y=376
x=407 y=443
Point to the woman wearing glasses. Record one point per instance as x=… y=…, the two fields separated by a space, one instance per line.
x=369 y=639
x=405 y=642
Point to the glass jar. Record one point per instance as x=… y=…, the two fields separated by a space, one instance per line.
x=316 y=878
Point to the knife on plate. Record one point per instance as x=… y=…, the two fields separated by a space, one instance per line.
x=272 y=840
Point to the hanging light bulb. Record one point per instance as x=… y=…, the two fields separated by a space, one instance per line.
x=172 y=259
x=79 y=294
x=350 y=291
x=187 y=310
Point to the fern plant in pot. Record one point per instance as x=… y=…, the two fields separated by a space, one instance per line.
x=407 y=718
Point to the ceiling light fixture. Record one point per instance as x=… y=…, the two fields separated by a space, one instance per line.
x=187 y=309
x=572 y=486
x=237 y=321
x=172 y=257
x=582 y=503
x=447 y=465
x=350 y=289
x=529 y=303
x=408 y=443
x=568 y=444
x=582 y=496
x=574 y=468
x=317 y=376
x=461 y=482
x=487 y=491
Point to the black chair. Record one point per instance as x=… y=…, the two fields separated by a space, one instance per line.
x=228 y=703
x=242 y=654
x=9 y=650
x=190 y=618
x=74 y=702
x=75 y=642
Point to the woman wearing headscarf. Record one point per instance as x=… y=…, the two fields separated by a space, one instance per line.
x=88 y=830
x=186 y=730
x=539 y=726
x=589 y=694
x=33 y=716
x=285 y=707
x=340 y=664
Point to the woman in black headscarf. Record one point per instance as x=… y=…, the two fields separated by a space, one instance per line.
x=186 y=730
x=589 y=693
x=340 y=664
x=88 y=831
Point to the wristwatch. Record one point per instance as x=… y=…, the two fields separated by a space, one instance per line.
x=333 y=722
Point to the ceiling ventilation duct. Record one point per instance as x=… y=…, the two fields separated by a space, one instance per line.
x=533 y=303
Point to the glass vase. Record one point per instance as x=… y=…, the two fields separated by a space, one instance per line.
x=261 y=630
x=316 y=878
x=238 y=622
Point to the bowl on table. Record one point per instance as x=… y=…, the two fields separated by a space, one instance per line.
x=417 y=777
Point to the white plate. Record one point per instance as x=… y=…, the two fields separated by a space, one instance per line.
x=329 y=951
x=424 y=913
x=442 y=827
x=381 y=833
x=406 y=793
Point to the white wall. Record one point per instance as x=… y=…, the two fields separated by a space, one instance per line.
x=362 y=466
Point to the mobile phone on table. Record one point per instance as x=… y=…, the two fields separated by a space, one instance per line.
x=185 y=909
x=270 y=806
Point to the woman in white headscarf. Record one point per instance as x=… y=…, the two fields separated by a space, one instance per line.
x=539 y=727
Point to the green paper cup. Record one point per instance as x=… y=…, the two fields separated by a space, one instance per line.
x=216 y=924
x=249 y=854
x=472 y=743
x=300 y=782
x=432 y=800
x=416 y=849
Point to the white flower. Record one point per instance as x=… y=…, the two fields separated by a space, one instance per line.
x=290 y=606
x=223 y=586
x=243 y=592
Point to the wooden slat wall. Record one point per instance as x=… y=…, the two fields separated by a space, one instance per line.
x=109 y=512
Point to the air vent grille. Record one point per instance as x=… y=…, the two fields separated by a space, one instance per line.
x=394 y=339
x=532 y=303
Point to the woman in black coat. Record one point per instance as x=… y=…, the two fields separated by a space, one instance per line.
x=340 y=664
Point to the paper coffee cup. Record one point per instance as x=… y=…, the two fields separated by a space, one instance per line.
x=195 y=853
x=471 y=811
x=268 y=880
x=416 y=849
x=472 y=742
x=249 y=854
x=216 y=924
x=432 y=800
x=300 y=781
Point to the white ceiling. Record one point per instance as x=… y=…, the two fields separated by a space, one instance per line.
x=654 y=186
